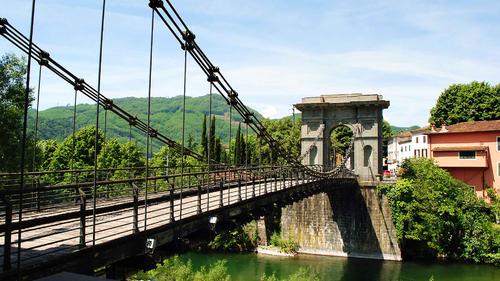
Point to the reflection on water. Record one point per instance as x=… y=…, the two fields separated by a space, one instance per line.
x=249 y=267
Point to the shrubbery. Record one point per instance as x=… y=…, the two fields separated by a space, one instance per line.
x=437 y=214
x=286 y=245
x=175 y=269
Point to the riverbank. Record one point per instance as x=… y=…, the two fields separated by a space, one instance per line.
x=250 y=267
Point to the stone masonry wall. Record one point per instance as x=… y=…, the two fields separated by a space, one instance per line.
x=351 y=221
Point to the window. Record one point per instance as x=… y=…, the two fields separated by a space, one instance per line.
x=467 y=155
x=498 y=169
x=424 y=139
x=498 y=143
x=424 y=153
x=416 y=140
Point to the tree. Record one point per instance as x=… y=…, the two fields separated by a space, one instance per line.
x=77 y=154
x=212 y=135
x=341 y=138
x=386 y=135
x=467 y=102
x=12 y=92
x=204 y=146
x=285 y=132
x=237 y=146
x=438 y=215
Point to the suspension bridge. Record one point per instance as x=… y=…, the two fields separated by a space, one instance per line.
x=87 y=218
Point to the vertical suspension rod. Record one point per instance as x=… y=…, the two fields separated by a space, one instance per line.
x=23 y=140
x=97 y=121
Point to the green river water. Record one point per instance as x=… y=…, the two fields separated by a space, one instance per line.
x=249 y=267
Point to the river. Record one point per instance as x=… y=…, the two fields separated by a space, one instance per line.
x=249 y=267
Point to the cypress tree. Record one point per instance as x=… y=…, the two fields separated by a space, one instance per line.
x=204 y=136
x=237 y=146
x=211 y=142
x=218 y=148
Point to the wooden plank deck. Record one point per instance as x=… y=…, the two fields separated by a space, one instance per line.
x=43 y=242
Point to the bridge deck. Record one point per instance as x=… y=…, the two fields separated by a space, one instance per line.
x=42 y=242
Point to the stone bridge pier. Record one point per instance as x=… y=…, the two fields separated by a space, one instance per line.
x=352 y=221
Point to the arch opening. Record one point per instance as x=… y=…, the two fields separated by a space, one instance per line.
x=340 y=140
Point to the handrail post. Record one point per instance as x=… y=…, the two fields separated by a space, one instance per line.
x=172 y=186
x=38 y=193
x=107 y=184
x=155 y=187
x=221 y=186
x=239 y=189
x=83 y=221
x=8 y=235
x=275 y=179
x=135 y=192
x=199 y=197
x=265 y=183
x=253 y=184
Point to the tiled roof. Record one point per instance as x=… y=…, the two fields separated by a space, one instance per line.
x=403 y=134
x=472 y=126
x=460 y=148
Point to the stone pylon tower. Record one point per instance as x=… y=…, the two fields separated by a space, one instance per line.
x=361 y=113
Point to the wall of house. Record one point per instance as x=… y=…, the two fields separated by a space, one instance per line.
x=487 y=139
x=447 y=159
x=419 y=144
x=471 y=176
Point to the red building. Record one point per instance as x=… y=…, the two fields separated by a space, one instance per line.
x=470 y=151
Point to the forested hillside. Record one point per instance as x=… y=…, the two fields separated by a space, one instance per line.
x=57 y=122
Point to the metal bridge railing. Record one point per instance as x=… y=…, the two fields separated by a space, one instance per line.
x=57 y=218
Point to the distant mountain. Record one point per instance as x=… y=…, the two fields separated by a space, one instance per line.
x=396 y=129
x=166 y=116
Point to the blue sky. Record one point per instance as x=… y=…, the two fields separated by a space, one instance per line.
x=275 y=52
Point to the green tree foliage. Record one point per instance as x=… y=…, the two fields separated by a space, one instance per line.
x=386 y=135
x=431 y=210
x=77 y=152
x=234 y=240
x=12 y=93
x=341 y=138
x=467 y=102
x=286 y=245
x=166 y=157
x=55 y=123
x=285 y=132
x=203 y=141
x=175 y=269
x=211 y=141
x=116 y=155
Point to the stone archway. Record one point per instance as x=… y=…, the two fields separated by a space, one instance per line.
x=361 y=113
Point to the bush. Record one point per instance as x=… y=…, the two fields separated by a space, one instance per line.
x=234 y=240
x=432 y=209
x=286 y=245
x=174 y=269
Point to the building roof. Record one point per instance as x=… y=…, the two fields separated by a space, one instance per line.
x=406 y=134
x=471 y=126
x=460 y=148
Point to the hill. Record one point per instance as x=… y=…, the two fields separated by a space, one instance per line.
x=57 y=122
x=396 y=129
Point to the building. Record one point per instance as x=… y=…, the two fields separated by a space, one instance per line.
x=470 y=151
x=405 y=145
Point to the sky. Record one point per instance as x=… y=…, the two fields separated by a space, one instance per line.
x=273 y=52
